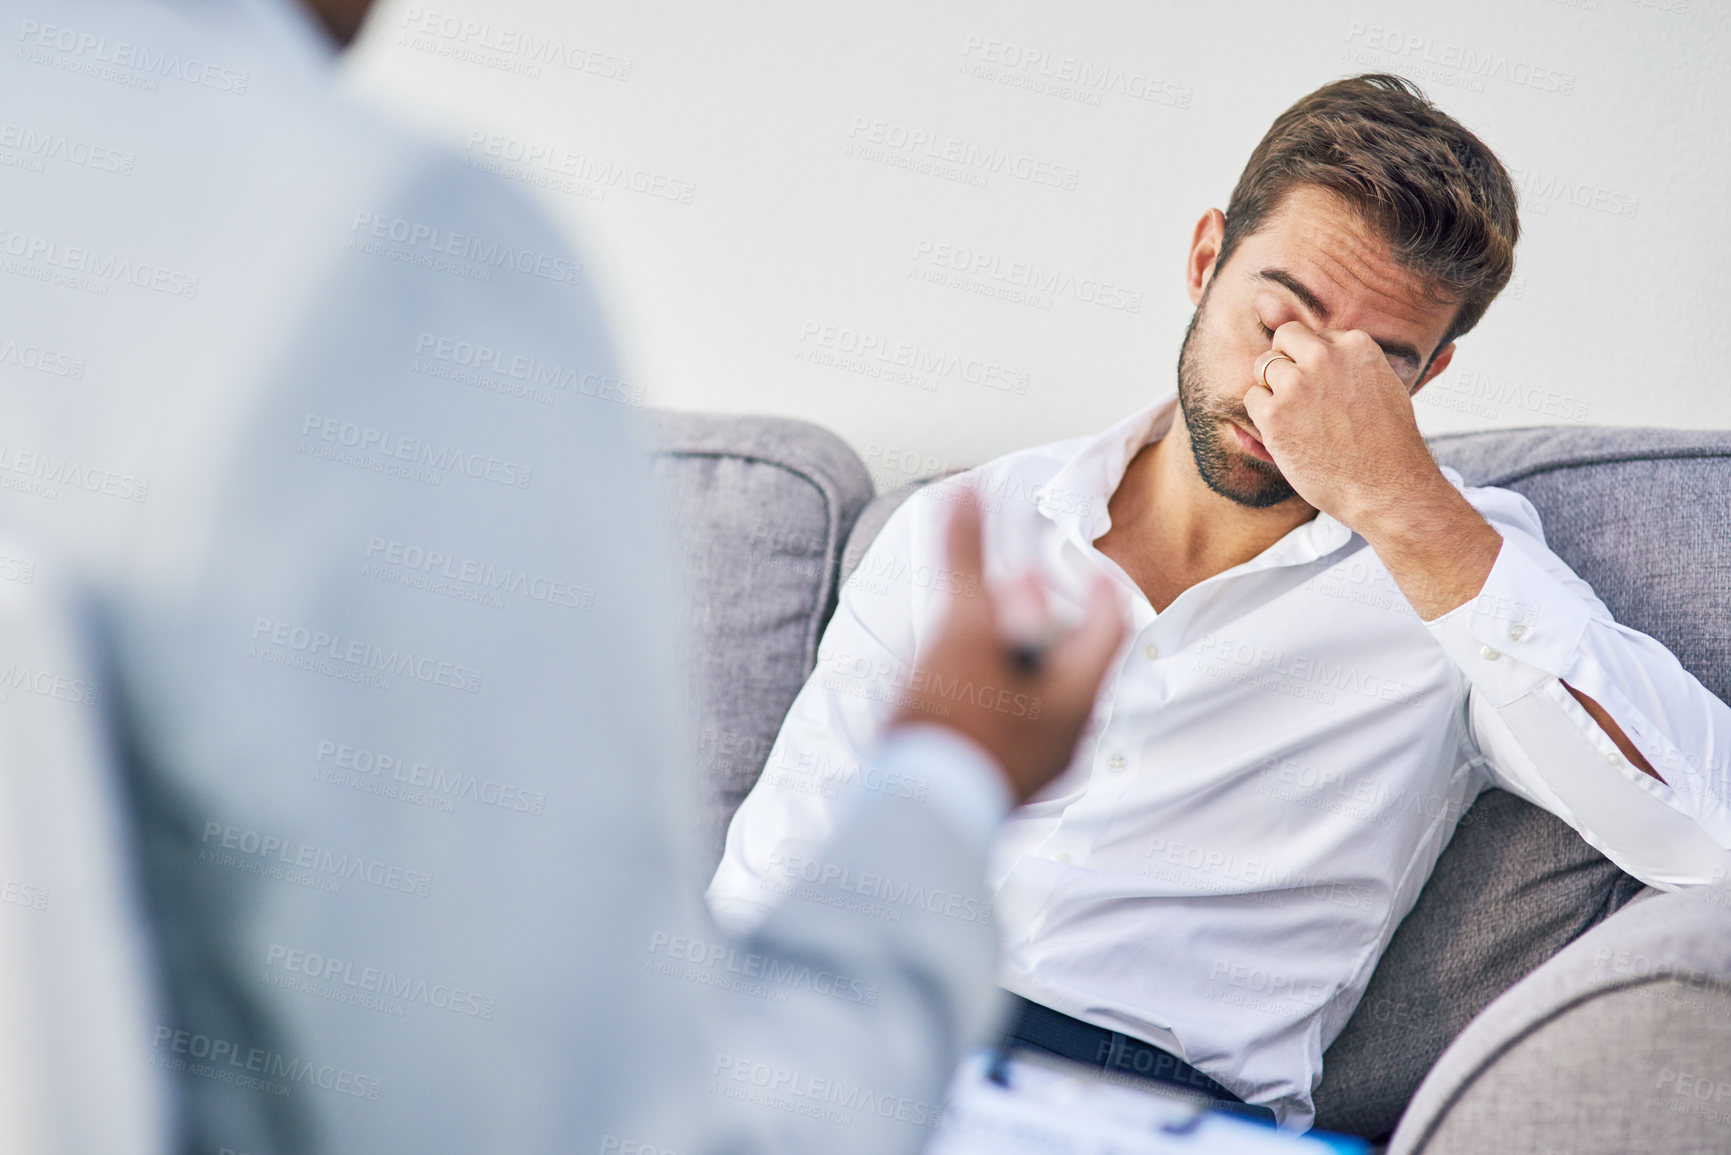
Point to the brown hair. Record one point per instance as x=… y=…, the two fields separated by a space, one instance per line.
x=1431 y=189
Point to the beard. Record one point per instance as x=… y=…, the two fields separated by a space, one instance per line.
x=1225 y=469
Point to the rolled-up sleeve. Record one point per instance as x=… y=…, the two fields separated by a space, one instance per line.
x=1536 y=626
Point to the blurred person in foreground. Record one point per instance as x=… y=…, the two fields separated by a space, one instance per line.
x=383 y=658
x=1336 y=645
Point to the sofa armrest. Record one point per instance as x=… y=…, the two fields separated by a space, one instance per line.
x=1622 y=1042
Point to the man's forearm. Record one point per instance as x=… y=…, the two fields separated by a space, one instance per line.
x=1437 y=547
x=1440 y=551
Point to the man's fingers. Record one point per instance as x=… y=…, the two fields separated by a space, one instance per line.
x=1256 y=403
x=1275 y=370
x=1021 y=609
x=963 y=543
x=1082 y=659
x=964 y=552
x=1298 y=341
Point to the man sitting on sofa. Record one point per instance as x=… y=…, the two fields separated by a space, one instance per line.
x=1334 y=645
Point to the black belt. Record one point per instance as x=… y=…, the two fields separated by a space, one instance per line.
x=1112 y=1052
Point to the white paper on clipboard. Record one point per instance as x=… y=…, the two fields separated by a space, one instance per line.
x=1048 y=1109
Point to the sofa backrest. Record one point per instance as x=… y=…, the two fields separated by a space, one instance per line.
x=1643 y=515
x=763 y=507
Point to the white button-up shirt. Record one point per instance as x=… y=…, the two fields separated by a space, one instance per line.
x=1274 y=763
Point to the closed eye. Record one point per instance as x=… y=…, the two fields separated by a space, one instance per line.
x=1266 y=331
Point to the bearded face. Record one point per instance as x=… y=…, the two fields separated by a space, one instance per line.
x=1225 y=468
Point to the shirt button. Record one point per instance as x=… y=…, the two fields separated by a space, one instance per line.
x=1517 y=632
x=1489 y=654
x=1116 y=762
x=1060 y=857
x=1152 y=650
x=1614 y=758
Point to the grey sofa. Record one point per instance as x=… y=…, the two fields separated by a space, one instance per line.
x=1536 y=999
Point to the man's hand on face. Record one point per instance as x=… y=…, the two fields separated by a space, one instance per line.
x=1027 y=719
x=1339 y=423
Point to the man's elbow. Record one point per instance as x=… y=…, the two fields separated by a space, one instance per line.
x=1615 y=732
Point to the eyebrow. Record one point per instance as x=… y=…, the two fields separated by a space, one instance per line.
x=1311 y=301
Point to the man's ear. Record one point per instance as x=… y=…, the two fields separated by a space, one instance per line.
x=1204 y=252
x=1437 y=365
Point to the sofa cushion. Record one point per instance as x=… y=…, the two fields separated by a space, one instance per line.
x=1621 y=1043
x=763 y=506
x=1642 y=516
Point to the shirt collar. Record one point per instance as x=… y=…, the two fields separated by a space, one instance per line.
x=1075 y=499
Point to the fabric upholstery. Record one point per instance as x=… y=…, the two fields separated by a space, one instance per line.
x=1621 y=1043
x=762 y=507
x=1642 y=515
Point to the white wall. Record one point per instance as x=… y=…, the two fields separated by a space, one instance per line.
x=746 y=227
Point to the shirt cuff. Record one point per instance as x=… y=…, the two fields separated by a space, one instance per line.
x=1521 y=631
x=963 y=782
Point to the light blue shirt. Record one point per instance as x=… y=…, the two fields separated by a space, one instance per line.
x=319 y=418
